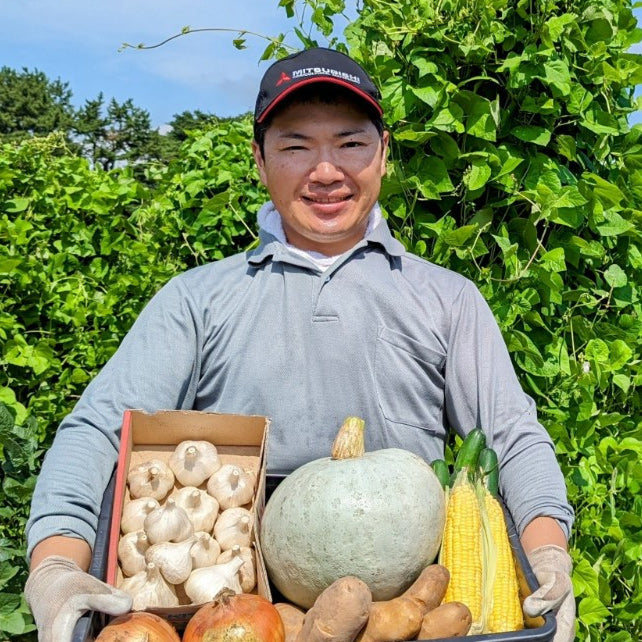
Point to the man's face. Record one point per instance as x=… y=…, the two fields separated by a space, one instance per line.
x=322 y=166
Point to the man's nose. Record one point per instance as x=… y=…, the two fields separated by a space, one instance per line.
x=326 y=171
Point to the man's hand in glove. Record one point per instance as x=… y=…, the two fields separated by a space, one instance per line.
x=552 y=566
x=59 y=592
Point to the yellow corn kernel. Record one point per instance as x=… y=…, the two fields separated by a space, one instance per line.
x=505 y=611
x=461 y=549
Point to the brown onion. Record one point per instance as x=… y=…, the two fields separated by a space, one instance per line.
x=242 y=617
x=138 y=627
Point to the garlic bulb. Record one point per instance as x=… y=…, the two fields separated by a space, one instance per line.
x=153 y=478
x=247 y=574
x=148 y=589
x=134 y=513
x=205 y=550
x=168 y=523
x=131 y=552
x=173 y=559
x=234 y=526
x=231 y=486
x=194 y=461
x=204 y=584
x=201 y=508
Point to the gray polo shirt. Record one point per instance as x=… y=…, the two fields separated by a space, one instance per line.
x=410 y=347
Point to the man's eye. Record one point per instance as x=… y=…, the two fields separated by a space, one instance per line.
x=293 y=148
x=353 y=143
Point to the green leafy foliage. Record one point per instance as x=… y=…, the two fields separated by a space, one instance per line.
x=81 y=251
x=513 y=163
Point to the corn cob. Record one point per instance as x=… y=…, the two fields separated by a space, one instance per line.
x=461 y=549
x=504 y=612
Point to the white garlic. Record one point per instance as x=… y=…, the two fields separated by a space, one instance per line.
x=231 y=486
x=234 y=526
x=168 y=523
x=173 y=559
x=131 y=552
x=153 y=478
x=247 y=574
x=204 y=584
x=201 y=508
x=134 y=513
x=205 y=550
x=148 y=589
x=194 y=461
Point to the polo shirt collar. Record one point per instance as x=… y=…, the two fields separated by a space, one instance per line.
x=270 y=247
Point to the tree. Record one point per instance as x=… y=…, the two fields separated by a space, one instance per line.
x=120 y=134
x=181 y=124
x=31 y=104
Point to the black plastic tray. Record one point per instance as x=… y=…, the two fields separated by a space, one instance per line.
x=90 y=624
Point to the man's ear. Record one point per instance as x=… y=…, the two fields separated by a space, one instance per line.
x=260 y=161
x=385 y=139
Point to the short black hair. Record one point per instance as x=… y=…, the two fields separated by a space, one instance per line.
x=320 y=92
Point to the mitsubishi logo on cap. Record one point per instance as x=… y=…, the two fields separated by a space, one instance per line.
x=284 y=78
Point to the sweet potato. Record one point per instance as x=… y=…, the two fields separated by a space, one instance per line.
x=292 y=619
x=339 y=612
x=401 y=617
x=446 y=621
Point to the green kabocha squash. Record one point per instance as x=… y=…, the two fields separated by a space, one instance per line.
x=378 y=516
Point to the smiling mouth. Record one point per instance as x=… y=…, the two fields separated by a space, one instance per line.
x=327 y=199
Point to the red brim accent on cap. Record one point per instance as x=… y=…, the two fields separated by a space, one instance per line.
x=308 y=81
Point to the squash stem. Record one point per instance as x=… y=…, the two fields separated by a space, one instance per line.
x=349 y=442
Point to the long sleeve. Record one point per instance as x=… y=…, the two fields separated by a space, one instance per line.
x=156 y=366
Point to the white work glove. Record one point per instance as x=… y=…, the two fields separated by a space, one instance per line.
x=552 y=566
x=58 y=592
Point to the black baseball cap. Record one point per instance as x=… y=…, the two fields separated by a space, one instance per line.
x=311 y=66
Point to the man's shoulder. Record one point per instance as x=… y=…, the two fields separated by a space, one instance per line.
x=214 y=269
x=417 y=267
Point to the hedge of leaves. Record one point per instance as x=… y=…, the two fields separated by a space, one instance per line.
x=81 y=251
x=512 y=162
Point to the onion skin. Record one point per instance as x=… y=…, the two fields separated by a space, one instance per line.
x=242 y=617
x=138 y=627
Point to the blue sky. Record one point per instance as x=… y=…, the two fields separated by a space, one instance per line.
x=78 y=41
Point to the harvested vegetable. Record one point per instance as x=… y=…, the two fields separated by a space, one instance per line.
x=204 y=584
x=168 y=523
x=503 y=608
x=378 y=516
x=476 y=549
x=401 y=617
x=149 y=589
x=339 y=613
x=231 y=486
x=449 y=620
x=131 y=552
x=138 y=627
x=241 y=618
x=461 y=549
x=292 y=619
x=152 y=478
x=194 y=461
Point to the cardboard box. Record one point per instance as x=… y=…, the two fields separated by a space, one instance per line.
x=239 y=439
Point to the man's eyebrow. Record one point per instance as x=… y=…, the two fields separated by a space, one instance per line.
x=341 y=134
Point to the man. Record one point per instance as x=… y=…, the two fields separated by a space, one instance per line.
x=328 y=317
